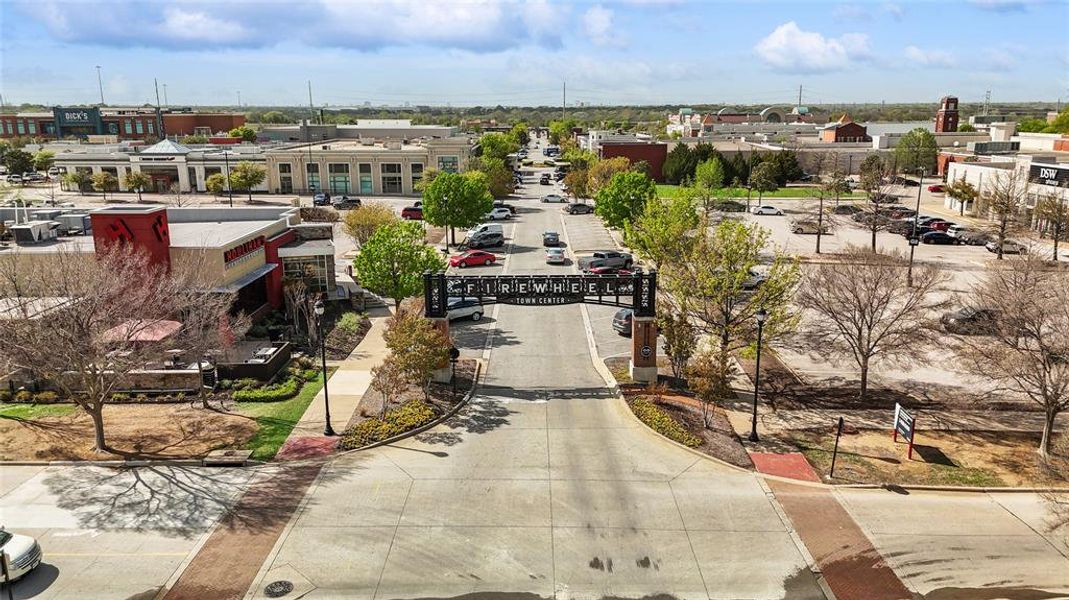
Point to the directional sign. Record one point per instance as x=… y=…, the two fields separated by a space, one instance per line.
x=905 y=425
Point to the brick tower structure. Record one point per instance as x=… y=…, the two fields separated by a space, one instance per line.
x=946 y=120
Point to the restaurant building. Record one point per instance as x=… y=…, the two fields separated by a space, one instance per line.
x=245 y=251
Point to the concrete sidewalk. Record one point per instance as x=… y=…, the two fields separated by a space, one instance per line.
x=346 y=388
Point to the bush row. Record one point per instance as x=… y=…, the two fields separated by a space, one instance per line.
x=283 y=390
x=408 y=416
x=26 y=396
x=663 y=423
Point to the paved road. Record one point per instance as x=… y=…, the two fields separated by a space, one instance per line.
x=544 y=484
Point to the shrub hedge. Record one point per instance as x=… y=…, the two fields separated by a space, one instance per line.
x=283 y=390
x=408 y=416
x=663 y=423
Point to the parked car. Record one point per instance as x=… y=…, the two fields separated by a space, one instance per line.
x=559 y=175
x=621 y=321
x=484 y=227
x=765 y=209
x=346 y=203
x=975 y=238
x=938 y=225
x=486 y=239
x=550 y=238
x=614 y=270
x=937 y=188
x=464 y=308
x=957 y=230
x=730 y=206
x=321 y=200
x=545 y=179
x=847 y=209
x=906 y=182
x=801 y=226
x=555 y=256
x=578 y=208
x=498 y=213
x=939 y=237
x=14 y=178
x=882 y=198
x=1008 y=247
x=970 y=321
x=24 y=553
x=472 y=258
x=557 y=198
x=606 y=258
x=754 y=281
x=412 y=213
x=505 y=205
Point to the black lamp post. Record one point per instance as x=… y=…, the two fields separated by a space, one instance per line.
x=762 y=316
x=913 y=239
x=319 y=310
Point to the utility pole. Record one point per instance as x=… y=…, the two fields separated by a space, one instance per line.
x=799 y=95
x=100 y=84
x=239 y=99
x=987 y=102
x=563 y=100
x=159 y=115
x=166 y=103
x=311 y=107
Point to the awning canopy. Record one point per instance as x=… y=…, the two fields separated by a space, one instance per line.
x=140 y=330
x=245 y=279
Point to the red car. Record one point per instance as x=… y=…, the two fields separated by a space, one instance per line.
x=938 y=225
x=612 y=271
x=412 y=213
x=937 y=188
x=472 y=258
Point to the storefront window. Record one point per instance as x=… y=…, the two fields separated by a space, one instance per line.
x=128 y=126
x=391 y=178
x=150 y=127
x=33 y=126
x=140 y=126
x=10 y=130
x=339 y=178
x=448 y=164
x=366 y=184
x=312 y=270
x=417 y=174
x=21 y=127
x=313 y=176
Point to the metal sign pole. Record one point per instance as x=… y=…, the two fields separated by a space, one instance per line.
x=835 y=453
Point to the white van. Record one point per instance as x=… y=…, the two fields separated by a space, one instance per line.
x=486 y=227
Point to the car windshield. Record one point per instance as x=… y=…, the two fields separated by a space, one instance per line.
x=4 y=538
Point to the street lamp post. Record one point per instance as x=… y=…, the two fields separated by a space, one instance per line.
x=762 y=316
x=229 y=188
x=913 y=239
x=319 y=310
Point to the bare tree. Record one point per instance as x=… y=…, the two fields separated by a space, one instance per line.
x=1028 y=349
x=876 y=179
x=178 y=198
x=88 y=323
x=300 y=305
x=703 y=377
x=1052 y=215
x=864 y=308
x=1002 y=200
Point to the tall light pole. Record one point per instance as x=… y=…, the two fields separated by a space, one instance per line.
x=761 y=316
x=319 y=310
x=100 y=84
x=913 y=239
x=229 y=188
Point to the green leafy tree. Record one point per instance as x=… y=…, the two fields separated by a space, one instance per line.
x=962 y=191
x=247 y=175
x=786 y=166
x=1031 y=125
x=578 y=158
x=104 y=182
x=274 y=117
x=1052 y=214
x=710 y=173
x=77 y=180
x=624 y=198
x=362 y=222
x=18 y=161
x=136 y=181
x=602 y=171
x=679 y=164
x=497 y=145
x=43 y=159
x=966 y=128
x=680 y=338
x=764 y=179
x=643 y=166
x=195 y=139
x=713 y=282
x=457 y=200
x=561 y=130
x=498 y=176
x=246 y=133
x=578 y=183
x=663 y=230
x=916 y=150
x=393 y=261
x=417 y=348
x=519 y=133
x=215 y=183
x=1060 y=124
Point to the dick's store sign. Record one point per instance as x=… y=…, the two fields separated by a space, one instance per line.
x=1049 y=175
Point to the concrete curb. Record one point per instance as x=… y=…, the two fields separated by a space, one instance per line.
x=178 y=462
x=463 y=402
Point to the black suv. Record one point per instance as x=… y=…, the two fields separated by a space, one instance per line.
x=346 y=203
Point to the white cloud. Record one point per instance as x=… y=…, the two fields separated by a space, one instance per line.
x=930 y=58
x=790 y=48
x=895 y=10
x=598 y=25
x=197 y=25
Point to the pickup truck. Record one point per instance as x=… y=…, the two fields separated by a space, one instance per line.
x=605 y=259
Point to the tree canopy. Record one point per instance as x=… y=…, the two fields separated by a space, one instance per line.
x=457 y=200
x=498 y=145
x=624 y=198
x=916 y=150
x=18 y=161
x=244 y=132
x=247 y=175
x=393 y=261
x=663 y=229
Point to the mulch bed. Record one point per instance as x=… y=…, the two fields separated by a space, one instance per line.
x=783 y=390
x=342 y=342
x=442 y=397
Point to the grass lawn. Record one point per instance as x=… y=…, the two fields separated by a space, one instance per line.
x=275 y=420
x=671 y=191
x=30 y=412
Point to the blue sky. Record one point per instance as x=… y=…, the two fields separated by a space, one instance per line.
x=517 y=52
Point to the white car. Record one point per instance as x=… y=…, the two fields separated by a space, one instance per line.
x=956 y=230
x=23 y=552
x=464 y=308
x=498 y=213
x=554 y=198
x=766 y=210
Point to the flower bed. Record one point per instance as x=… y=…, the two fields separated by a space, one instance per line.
x=408 y=416
x=661 y=422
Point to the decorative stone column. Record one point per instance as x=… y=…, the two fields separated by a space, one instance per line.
x=644 y=349
x=445 y=372
x=434 y=309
